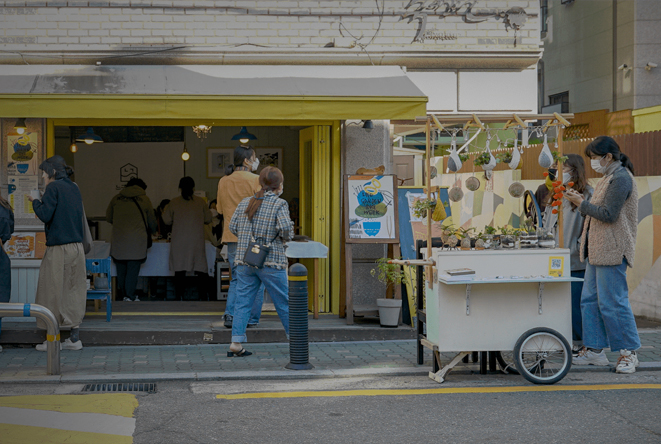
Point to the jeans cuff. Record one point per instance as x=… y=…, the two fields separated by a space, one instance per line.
x=241 y=338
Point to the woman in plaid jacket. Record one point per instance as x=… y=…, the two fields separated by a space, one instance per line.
x=263 y=218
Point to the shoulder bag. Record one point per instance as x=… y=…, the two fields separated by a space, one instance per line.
x=144 y=221
x=256 y=252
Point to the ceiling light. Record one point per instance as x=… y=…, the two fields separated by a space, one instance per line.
x=89 y=137
x=368 y=125
x=244 y=136
x=202 y=130
x=185 y=156
x=20 y=126
x=73 y=148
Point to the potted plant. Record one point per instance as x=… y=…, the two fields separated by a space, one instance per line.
x=465 y=235
x=422 y=206
x=492 y=240
x=483 y=159
x=449 y=236
x=504 y=157
x=546 y=238
x=391 y=275
x=480 y=241
x=528 y=234
x=507 y=237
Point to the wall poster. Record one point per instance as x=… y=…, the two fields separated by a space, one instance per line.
x=372 y=208
x=22 y=155
x=19 y=188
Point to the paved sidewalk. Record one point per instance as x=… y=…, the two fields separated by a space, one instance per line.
x=210 y=362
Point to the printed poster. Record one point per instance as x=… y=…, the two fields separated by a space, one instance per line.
x=19 y=190
x=22 y=154
x=26 y=245
x=371 y=207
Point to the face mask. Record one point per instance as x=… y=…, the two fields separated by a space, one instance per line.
x=214 y=213
x=596 y=165
x=255 y=165
x=566 y=177
x=44 y=175
x=279 y=193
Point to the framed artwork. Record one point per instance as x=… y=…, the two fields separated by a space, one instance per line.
x=217 y=160
x=268 y=157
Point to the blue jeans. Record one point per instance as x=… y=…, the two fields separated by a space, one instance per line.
x=607 y=316
x=256 y=311
x=250 y=281
x=576 y=317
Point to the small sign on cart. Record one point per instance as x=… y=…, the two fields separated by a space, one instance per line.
x=556 y=265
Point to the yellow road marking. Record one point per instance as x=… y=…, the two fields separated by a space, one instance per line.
x=439 y=391
x=18 y=434
x=118 y=404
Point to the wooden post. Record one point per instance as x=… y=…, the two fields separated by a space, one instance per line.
x=428 y=185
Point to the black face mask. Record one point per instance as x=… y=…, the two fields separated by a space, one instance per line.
x=553 y=173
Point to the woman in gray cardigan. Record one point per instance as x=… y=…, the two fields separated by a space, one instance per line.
x=608 y=242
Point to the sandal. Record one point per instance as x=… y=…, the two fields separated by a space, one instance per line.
x=241 y=353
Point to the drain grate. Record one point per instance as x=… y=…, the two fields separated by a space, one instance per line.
x=121 y=387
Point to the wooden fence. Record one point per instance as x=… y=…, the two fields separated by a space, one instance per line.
x=644 y=150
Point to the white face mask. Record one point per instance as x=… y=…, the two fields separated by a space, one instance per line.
x=255 y=165
x=596 y=165
x=566 y=177
x=214 y=213
x=279 y=193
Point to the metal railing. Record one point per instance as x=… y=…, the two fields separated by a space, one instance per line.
x=52 y=329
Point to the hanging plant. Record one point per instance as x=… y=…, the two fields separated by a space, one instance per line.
x=516 y=156
x=505 y=157
x=557 y=157
x=545 y=158
x=483 y=158
x=421 y=206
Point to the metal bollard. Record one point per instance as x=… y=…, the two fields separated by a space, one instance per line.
x=52 y=330
x=299 y=347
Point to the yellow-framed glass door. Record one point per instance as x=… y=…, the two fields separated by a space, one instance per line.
x=315 y=205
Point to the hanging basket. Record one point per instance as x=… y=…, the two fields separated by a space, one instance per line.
x=545 y=159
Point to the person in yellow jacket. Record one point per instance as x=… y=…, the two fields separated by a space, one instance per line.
x=239 y=182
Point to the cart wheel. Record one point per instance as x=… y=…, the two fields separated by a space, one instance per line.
x=506 y=362
x=542 y=356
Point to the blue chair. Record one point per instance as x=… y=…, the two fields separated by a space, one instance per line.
x=101 y=266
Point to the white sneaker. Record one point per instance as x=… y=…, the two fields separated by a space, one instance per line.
x=627 y=362
x=137 y=299
x=127 y=299
x=588 y=357
x=0 y=348
x=68 y=345
x=43 y=347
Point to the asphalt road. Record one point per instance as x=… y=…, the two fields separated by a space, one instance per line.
x=586 y=408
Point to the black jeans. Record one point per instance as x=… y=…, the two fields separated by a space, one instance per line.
x=127 y=276
x=180 y=285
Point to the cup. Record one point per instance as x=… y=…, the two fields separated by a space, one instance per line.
x=35 y=194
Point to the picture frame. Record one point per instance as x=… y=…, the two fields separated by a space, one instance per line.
x=269 y=157
x=217 y=160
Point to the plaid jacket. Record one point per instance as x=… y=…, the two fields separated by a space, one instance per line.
x=271 y=225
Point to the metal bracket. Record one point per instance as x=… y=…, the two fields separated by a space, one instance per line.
x=539 y=296
x=468 y=299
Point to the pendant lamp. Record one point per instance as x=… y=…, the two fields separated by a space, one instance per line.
x=244 y=136
x=89 y=137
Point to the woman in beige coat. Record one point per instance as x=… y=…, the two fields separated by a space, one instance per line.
x=187 y=214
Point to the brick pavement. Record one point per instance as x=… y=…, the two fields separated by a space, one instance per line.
x=211 y=361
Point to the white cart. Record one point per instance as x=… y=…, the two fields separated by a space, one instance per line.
x=511 y=305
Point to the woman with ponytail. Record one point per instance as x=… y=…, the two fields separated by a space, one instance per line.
x=188 y=214
x=239 y=182
x=6 y=229
x=607 y=246
x=263 y=218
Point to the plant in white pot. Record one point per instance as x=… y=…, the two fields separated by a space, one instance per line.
x=389 y=308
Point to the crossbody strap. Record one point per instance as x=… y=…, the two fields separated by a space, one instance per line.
x=144 y=221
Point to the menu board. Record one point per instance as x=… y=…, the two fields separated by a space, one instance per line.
x=19 y=188
x=26 y=245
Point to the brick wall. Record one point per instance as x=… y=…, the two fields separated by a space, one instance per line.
x=370 y=31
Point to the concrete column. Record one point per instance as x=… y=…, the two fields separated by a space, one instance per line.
x=366 y=149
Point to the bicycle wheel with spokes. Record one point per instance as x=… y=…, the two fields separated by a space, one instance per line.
x=506 y=362
x=542 y=356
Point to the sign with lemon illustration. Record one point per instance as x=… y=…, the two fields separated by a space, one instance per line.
x=372 y=202
x=22 y=154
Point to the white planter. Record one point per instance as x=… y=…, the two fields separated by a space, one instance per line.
x=389 y=312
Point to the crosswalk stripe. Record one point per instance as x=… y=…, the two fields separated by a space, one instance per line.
x=77 y=422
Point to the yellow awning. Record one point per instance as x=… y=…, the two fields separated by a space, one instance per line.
x=173 y=92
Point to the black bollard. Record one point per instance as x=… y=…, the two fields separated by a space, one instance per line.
x=299 y=347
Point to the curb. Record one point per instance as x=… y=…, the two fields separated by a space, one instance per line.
x=272 y=375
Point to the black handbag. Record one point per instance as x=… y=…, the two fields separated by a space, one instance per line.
x=256 y=252
x=144 y=221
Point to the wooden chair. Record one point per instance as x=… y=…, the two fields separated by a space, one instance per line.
x=101 y=266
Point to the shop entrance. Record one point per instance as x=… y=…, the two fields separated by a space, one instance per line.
x=307 y=155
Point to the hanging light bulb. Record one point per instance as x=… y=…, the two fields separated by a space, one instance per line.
x=89 y=137
x=73 y=148
x=20 y=126
x=185 y=156
x=244 y=136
